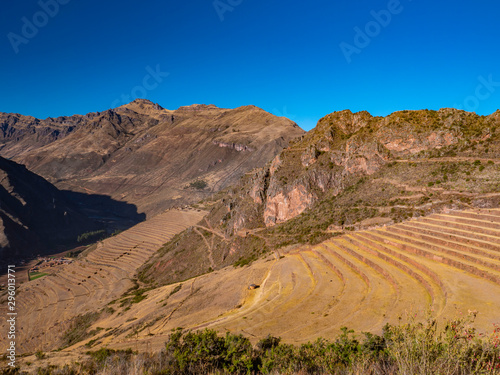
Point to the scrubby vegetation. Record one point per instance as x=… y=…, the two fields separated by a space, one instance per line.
x=411 y=348
x=89 y=237
x=133 y=295
x=79 y=329
x=75 y=252
x=198 y=184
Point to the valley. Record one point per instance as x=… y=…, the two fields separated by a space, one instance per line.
x=51 y=303
x=362 y=222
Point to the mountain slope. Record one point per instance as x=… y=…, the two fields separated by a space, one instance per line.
x=157 y=158
x=434 y=266
x=34 y=215
x=50 y=304
x=20 y=134
x=437 y=266
x=353 y=171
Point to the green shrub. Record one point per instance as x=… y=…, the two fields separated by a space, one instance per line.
x=199 y=184
x=91 y=236
x=201 y=352
x=409 y=348
x=175 y=290
x=79 y=329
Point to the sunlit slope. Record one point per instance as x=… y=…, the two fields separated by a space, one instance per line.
x=447 y=263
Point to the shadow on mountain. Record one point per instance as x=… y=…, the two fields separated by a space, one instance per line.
x=109 y=213
x=87 y=214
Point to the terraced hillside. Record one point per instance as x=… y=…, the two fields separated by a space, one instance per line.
x=351 y=172
x=448 y=263
x=47 y=307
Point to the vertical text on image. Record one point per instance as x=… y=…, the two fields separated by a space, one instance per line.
x=11 y=314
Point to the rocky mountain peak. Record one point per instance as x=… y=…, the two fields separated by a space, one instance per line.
x=143 y=103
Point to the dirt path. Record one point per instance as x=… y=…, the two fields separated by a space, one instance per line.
x=209 y=247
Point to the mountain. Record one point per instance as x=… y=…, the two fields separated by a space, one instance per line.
x=352 y=171
x=146 y=155
x=358 y=223
x=34 y=215
x=21 y=134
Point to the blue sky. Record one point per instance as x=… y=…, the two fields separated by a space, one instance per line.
x=287 y=57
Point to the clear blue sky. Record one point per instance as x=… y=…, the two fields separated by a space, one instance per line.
x=283 y=56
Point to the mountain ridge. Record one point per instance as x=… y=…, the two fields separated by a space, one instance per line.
x=146 y=155
x=349 y=223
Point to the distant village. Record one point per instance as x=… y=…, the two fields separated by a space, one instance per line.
x=44 y=263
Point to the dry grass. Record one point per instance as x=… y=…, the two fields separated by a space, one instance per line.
x=449 y=262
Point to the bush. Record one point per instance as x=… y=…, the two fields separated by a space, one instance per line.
x=411 y=348
x=199 y=184
x=420 y=348
x=201 y=352
x=91 y=236
x=175 y=290
x=79 y=329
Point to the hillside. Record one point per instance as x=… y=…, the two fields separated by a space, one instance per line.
x=146 y=155
x=356 y=223
x=353 y=171
x=440 y=266
x=20 y=134
x=51 y=304
x=34 y=215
